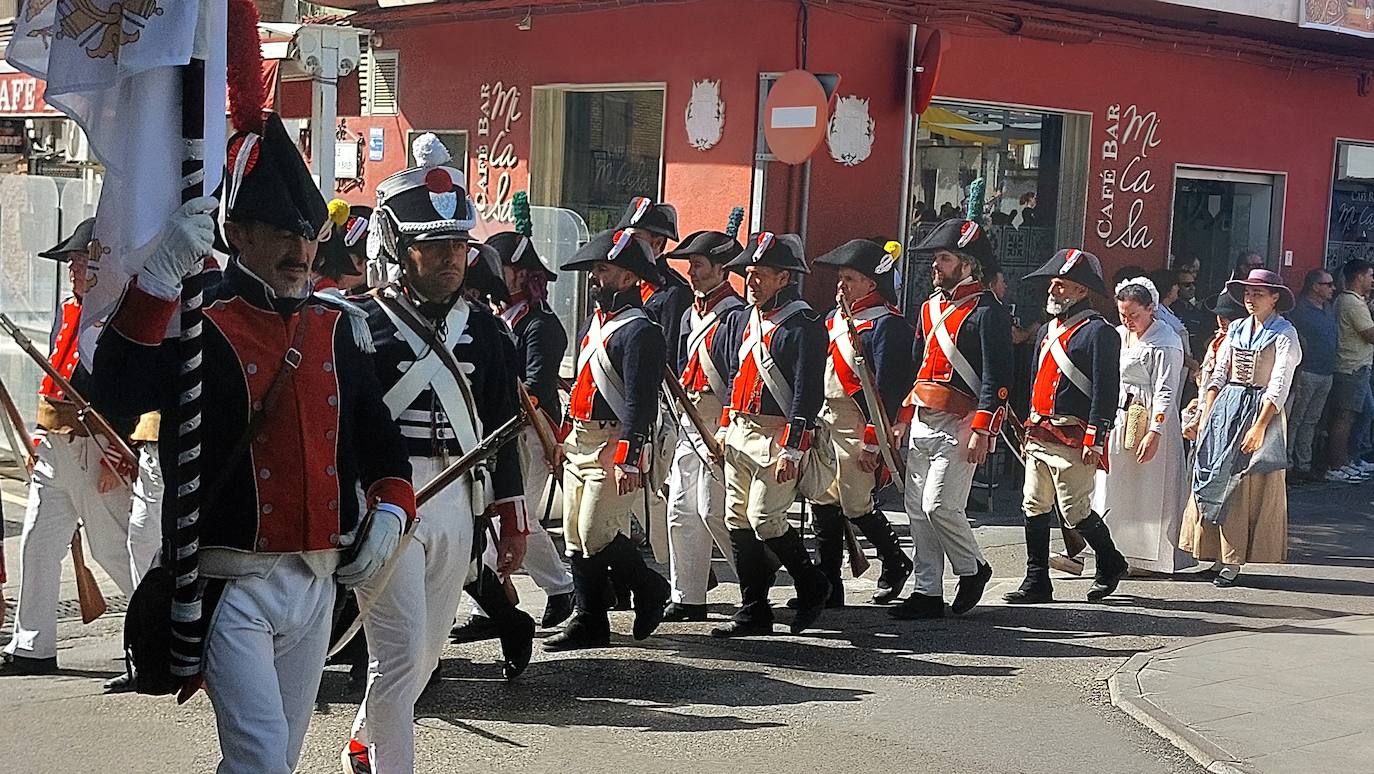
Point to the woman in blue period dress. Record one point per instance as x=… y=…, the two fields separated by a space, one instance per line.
x=1241 y=512
x=1144 y=496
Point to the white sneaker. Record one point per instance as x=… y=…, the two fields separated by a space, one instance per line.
x=1355 y=471
x=1365 y=468
x=1342 y=476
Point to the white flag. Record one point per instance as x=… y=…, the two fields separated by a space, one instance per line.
x=113 y=68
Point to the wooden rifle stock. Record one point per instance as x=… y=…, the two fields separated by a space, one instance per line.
x=876 y=410
x=707 y=433
x=88 y=594
x=17 y=431
x=538 y=420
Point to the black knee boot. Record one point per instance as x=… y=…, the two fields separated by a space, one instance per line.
x=589 y=626
x=896 y=566
x=756 y=571
x=813 y=590
x=651 y=590
x=828 y=523
x=1036 y=588
x=1111 y=565
x=514 y=626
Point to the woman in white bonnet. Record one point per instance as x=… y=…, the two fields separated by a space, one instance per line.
x=1143 y=497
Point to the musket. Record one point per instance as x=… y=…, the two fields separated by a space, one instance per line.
x=16 y=431
x=876 y=411
x=1013 y=432
x=484 y=450
x=708 y=435
x=85 y=412
x=541 y=428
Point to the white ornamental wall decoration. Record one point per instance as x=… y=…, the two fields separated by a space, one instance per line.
x=705 y=115
x=850 y=133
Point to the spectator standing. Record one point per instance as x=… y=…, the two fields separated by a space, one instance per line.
x=1315 y=318
x=1201 y=324
x=1350 y=381
x=1166 y=284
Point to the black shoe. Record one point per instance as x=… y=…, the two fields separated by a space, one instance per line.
x=477 y=629
x=517 y=643
x=1223 y=582
x=733 y=628
x=120 y=684
x=677 y=612
x=18 y=666
x=971 y=589
x=919 y=607
x=897 y=567
x=1112 y=567
x=556 y=610
x=581 y=633
x=1033 y=591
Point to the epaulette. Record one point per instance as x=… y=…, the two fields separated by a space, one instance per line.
x=357 y=318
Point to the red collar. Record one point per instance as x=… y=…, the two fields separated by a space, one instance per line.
x=868 y=302
x=704 y=304
x=963 y=290
x=646 y=289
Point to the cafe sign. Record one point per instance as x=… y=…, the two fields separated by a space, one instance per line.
x=1124 y=180
x=22 y=95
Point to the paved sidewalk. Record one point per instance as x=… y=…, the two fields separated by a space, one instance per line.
x=1280 y=700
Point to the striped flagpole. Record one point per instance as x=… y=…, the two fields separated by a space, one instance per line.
x=187 y=631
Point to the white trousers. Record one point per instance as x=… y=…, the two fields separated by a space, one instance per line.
x=263 y=658
x=939 y=477
x=63 y=491
x=696 y=519
x=145 y=517
x=409 y=620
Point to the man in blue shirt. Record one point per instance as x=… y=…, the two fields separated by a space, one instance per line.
x=1315 y=318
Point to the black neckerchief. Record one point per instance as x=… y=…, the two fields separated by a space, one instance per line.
x=785 y=296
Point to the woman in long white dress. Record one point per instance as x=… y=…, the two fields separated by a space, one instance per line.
x=1143 y=496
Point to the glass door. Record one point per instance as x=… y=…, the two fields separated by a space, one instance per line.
x=1218 y=215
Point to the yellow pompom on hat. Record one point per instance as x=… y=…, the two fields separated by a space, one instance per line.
x=338 y=211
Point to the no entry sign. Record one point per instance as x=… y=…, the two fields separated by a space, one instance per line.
x=794 y=116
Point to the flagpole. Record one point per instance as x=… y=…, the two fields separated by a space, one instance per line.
x=182 y=522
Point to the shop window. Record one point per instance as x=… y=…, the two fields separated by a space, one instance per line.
x=1350 y=230
x=1033 y=163
x=1219 y=214
x=593 y=149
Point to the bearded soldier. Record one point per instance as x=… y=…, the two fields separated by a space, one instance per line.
x=77 y=476
x=443 y=364
x=777 y=391
x=696 y=499
x=866 y=285
x=954 y=412
x=666 y=297
x=610 y=418
x=297 y=425
x=1073 y=402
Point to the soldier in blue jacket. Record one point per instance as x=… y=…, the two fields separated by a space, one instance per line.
x=667 y=296
x=866 y=282
x=779 y=384
x=1073 y=402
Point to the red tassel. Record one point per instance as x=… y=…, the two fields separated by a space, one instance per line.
x=247 y=94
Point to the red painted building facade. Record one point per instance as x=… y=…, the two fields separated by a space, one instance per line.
x=1137 y=141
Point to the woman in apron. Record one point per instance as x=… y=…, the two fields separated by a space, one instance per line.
x=1144 y=497
x=1240 y=507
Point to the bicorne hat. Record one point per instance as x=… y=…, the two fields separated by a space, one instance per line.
x=714 y=246
x=517 y=251
x=484 y=273
x=347 y=240
x=961 y=236
x=617 y=247
x=78 y=242
x=1261 y=278
x=1074 y=265
x=267 y=181
x=868 y=258
x=780 y=251
x=644 y=214
x=1225 y=305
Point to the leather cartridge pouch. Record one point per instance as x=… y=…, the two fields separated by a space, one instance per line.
x=941 y=397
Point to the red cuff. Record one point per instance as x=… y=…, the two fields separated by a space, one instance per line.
x=141 y=317
x=906 y=413
x=563 y=430
x=870 y=436
x=803 y=444
x=725 y=417
x=396 y=491
x=622 y=455
x=990 y=421
x=514 y=519
x=1090 y=437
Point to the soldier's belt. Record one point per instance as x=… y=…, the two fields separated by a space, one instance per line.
x=942 y=397
x=60 y=417
x=1065 y=430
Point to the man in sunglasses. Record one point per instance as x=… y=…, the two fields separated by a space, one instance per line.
x=1315 y=318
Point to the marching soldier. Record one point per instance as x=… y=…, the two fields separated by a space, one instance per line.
x=342 y=259
x=866 y=284
x=696 y=499
x=295 y=423
x=777 y=392
x=954 y=412
x=1073 y=402
x=443 y=363
x=666 y=298
x=610 y=417
x=78 y=477
x=540 y=342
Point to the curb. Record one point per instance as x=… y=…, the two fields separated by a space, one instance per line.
x=1126 y=694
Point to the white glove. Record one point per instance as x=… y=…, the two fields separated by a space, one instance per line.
x=383 y=534
x=184 y=241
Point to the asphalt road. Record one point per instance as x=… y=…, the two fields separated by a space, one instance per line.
x=1005 y=689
